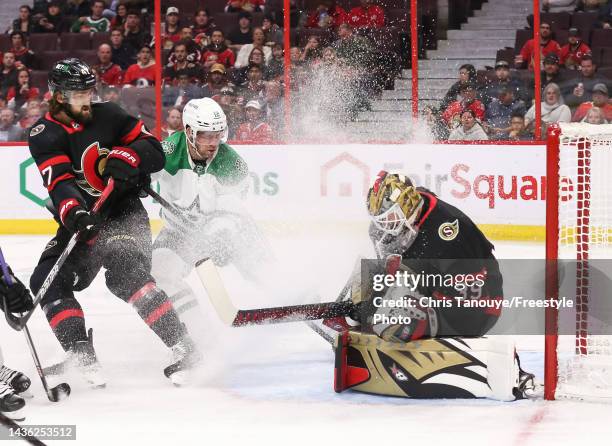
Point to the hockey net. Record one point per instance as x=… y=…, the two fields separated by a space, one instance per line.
x=579 y=229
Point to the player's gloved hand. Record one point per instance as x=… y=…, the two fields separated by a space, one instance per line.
x=18 y=297
x=76 y=218
x=122 y=165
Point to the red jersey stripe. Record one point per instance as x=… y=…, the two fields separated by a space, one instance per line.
x=133 y=134
x=66 y=176
x=59 y=159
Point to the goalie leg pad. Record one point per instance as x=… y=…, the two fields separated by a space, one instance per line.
x=429 y=368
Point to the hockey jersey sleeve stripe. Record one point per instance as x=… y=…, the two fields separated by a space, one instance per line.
x=133 y=134
x=60 y=159
x=158 y=313
x=66 y=176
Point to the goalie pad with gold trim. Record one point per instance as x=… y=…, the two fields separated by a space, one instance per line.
x=485 y=367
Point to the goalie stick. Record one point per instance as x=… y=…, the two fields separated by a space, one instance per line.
x=18 y=323
x=58 y=392
x=219 y=297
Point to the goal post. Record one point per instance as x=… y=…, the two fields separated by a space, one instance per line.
x=579 y=230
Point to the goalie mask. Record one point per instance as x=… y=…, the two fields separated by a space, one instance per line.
x=205 y=126
x=394 y=204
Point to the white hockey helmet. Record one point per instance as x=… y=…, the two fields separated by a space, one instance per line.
x=204 y=115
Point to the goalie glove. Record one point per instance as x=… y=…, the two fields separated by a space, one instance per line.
x=17 y=296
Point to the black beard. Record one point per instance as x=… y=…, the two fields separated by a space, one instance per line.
x=79 y=117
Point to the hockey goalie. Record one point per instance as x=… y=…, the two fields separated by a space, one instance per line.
x=417 y=338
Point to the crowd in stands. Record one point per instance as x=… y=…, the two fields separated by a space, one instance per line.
x=239 y=64
x=499 y=104
x=234 y=53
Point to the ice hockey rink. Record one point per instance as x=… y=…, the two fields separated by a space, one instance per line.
x=268 y=385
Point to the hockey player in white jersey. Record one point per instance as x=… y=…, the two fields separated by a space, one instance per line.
x=207 y=181
x=13 y=383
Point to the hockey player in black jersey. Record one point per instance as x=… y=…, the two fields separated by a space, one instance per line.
x=78 y=146
x=434 y=237
x=415 y=340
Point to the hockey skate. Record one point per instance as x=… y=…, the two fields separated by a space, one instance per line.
x=185 y=356
x=17 y=380
x=81 y=357
x=528 y=387
x=11 y=403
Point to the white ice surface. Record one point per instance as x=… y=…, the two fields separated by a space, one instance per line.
x=270 y=385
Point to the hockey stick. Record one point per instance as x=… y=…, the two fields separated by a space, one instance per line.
x=55 y=393
x=220 y=299
x=169 y=207
x=14 y=428
x=17 y=323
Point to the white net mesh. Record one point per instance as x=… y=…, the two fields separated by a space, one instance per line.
x=585 y=234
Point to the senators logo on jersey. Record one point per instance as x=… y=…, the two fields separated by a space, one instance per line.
x=93 y=161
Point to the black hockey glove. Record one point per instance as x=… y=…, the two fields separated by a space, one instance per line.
x=122 y=165
x=18 y=297
x=76 y=218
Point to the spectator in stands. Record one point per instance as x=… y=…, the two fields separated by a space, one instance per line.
x=134 y=34
x=558 y=5
x=8 y=73
x=245 y=5
x=240 y=75
x=111 y=94
x=588 y=5
x=553 y=108
x=202 y=27
x=469 y=129
x=255 y=130
x=18 y=96
x=216 y=80
x=218 y=48
x=328 y=14
x=578 y=90
x=52 y=21
x=95 y=23
x=142 y=73
x=9 y=131
x=23 y=55
x=124 y=55
x=272 y=32
x=24 y=22
x=178 y=95
x=368 y=15
x=467 y=73
x=572 y=53
x=253 y=88
x=180 y=64
x=499 y=112
x=121 y=14
x=243 y=34
x=275 y=69
x=193 y=49
x=109 y=73
x=174 y=122
x=547 y=46
x=452 y=114
x=242 y=59
x=32 y=114
x=171 y=28
x=552 y=72
x=604 y=18
x=354 y=50
x=274 y=107
x=233 y=111
x=503 y=80
x=595 y=116
x=312 y=51
x=77 y=8
x=517 y=131
x=600 y=96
